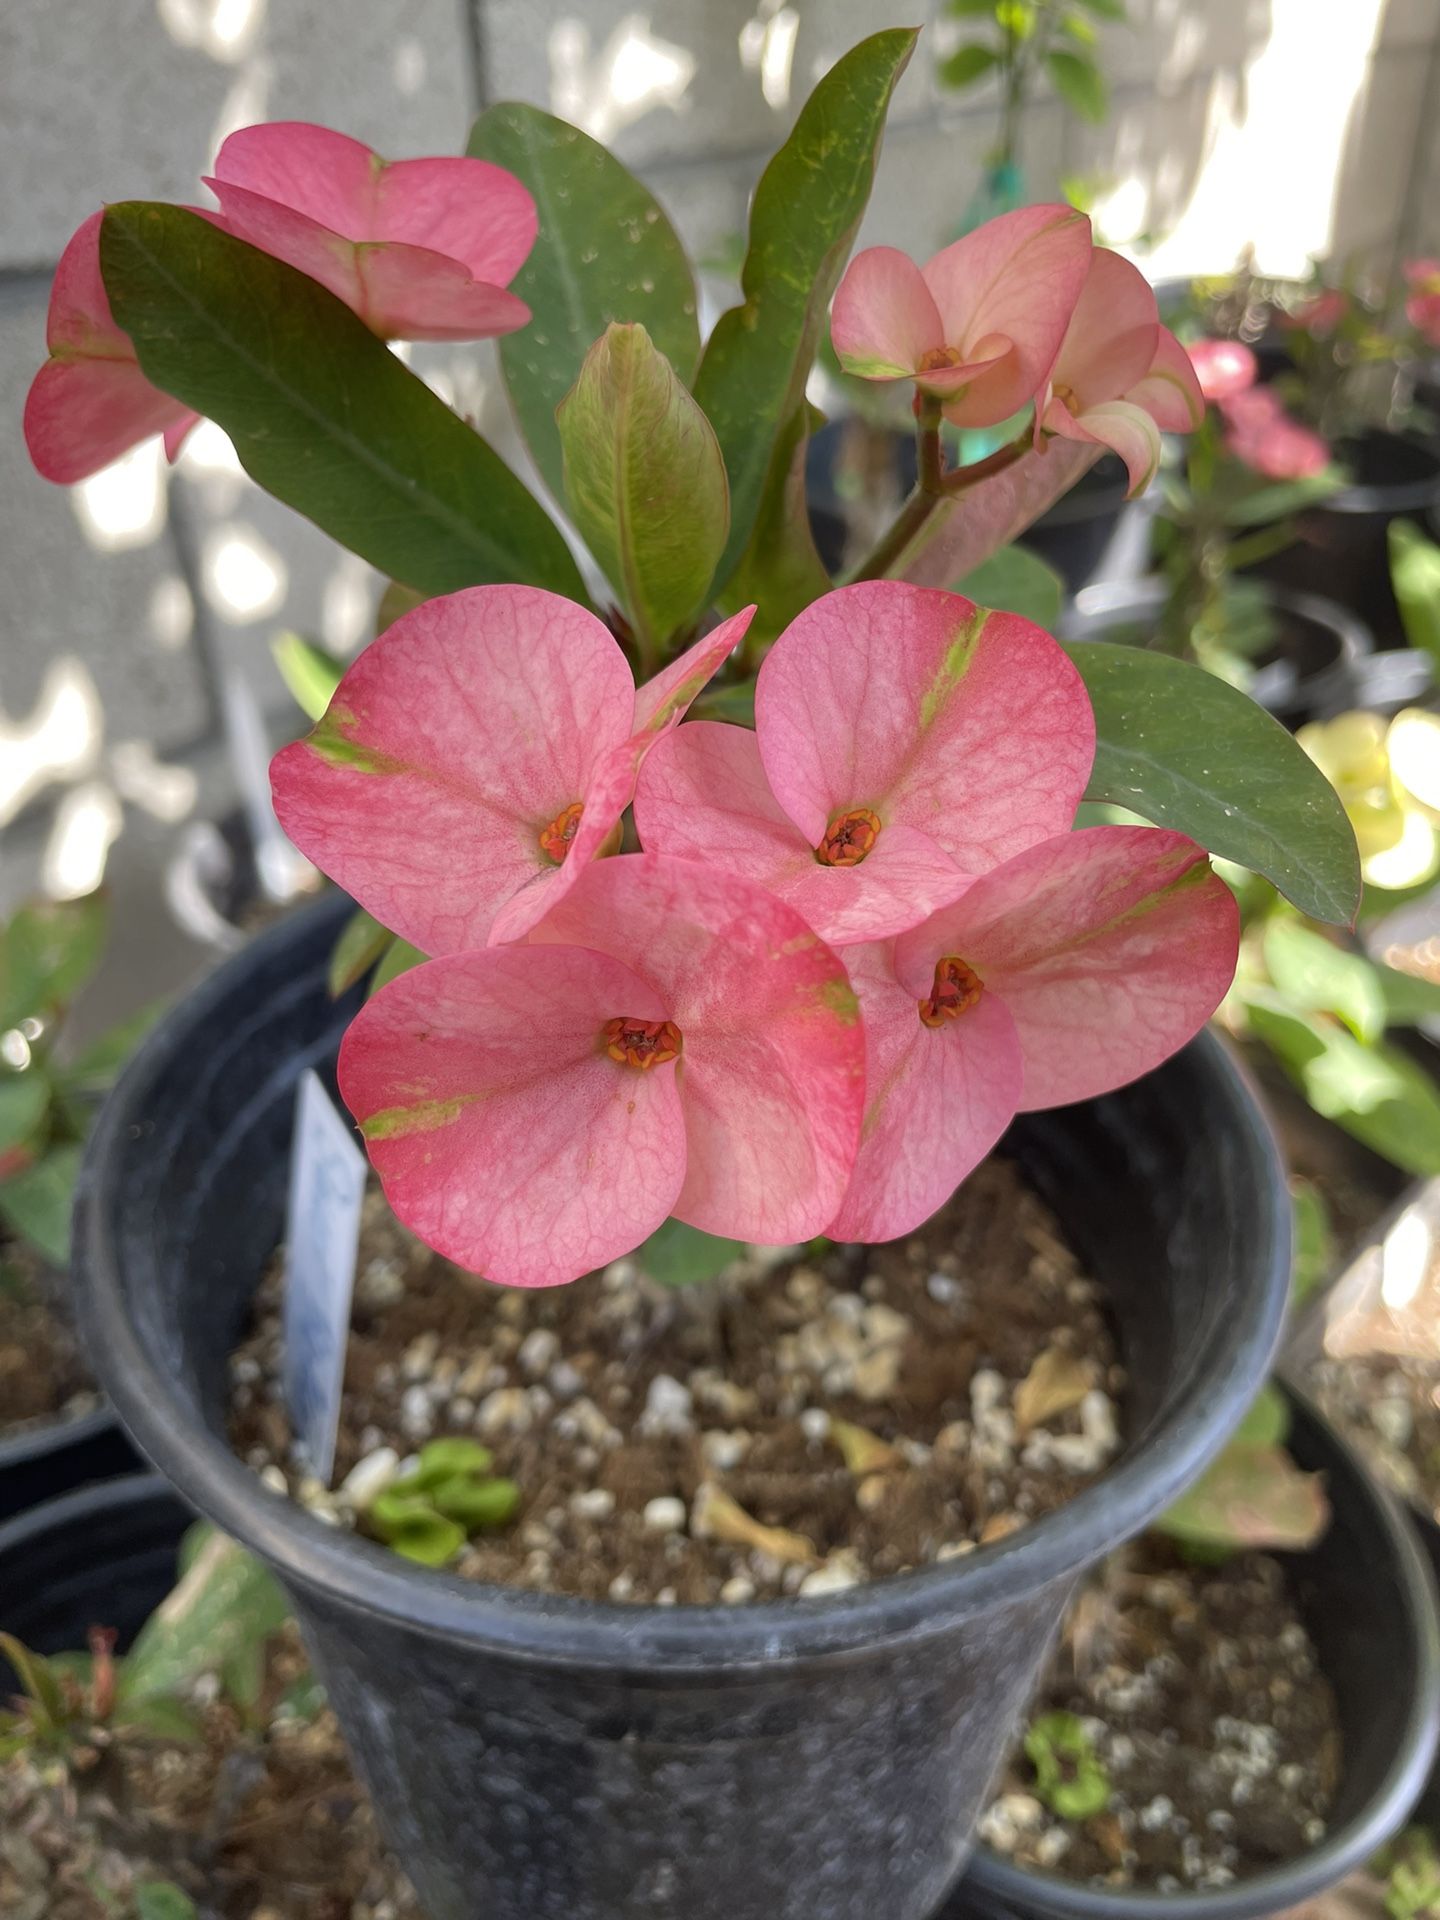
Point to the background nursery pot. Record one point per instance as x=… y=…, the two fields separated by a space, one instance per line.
x=49 y=1458
x=1369 y=1601
x=819 y=1760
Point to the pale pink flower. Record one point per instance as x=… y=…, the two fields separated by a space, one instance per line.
x=1422 y=309
x=1223 y=367
x=1263 y=435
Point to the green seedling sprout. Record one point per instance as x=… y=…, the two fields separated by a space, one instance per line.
x=1068 y=1775
x=429 y=1514
x=1410 y=1867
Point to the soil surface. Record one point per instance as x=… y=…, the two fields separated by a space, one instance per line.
x=42 y=1375
x=258 y=1819
x=1386 y=1405
x=1200 y=1695
x=809 y=1421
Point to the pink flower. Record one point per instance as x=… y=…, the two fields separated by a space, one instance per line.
x=1321 y=313
x=980 y=324
x=90 y=402
x=1120 y=377
x=682 y=1044
x=420 y=249
x=904 y=740
x=1075 y=967
x=1223 y=367
x=1260 y=432
x=475 y=757
x=1422 y=309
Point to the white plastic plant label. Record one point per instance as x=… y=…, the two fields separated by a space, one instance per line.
x=327 y=1186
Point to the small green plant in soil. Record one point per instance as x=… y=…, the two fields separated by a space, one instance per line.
x=1068 y=1775
x=451 y=1496
x=1410 y=1870
x=1252 y=1495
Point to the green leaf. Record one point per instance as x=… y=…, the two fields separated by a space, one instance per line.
x=1314 y=1241
x=1268 y=1421
x=399 y=958
x=1080 y=84
x=804 y=217
x=1376 y=1093
x=644 y=481
x=1076 y=27
x=321 y=413
x=362 y=941
x=37 y=1677
x=681 y=1256
x=1408 y=999
x=37 y=1202
x=1415 y=577
x=780 y=571
x=605 y=251
x=970 y=9
x=410 y=1526
x=1017 y=17
x=1277 y=500
x=311 y=675
x=1107 y=9
x=24 y=1102
x=968 y=65
x=47 y=952
x=94 y=1069
x=163 y=1900
x=1189 y=752
x=1254 y=1495
x=1311 y=972
x=442 y=1460
x=1016 y=582
x=395 y=600
x=477 y=1505
x=216 y=1620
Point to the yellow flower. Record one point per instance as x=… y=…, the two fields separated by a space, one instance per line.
x=1388 y=780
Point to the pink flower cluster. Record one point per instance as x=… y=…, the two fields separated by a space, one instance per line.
x=1026 y=308
x=1422 y=308
x=1258 y=430
x=857 y=940
x=419 y=249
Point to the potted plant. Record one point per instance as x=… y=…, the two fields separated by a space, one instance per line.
x=55 y=1431
x=682 y=1045
x=1310 y=1576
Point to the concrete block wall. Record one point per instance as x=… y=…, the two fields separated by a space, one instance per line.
x=1302 y=125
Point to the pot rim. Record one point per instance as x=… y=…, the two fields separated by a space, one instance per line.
x=80 y=1504
x=1277 y=1889
x=1114 y=599
x=339 y=1566
x=53 y=1435
x=1387 y=497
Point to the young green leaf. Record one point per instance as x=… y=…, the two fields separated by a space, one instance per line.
x=399 y=957
x=163 y=1900
x=442 y=1460
x=476 y=1505
x=1080 y=83
x=321 y=413
x=967 y=66
x=48 y=951
x=224 y=1609
x=645 y=482
x=311 y=675
x=362 y=942
x=36 y=1203
x=1189 y=752
x=605 y=251
x=970 y=9
x=1415 y=578
x=1107 y=9
x=410 y=1526
x=37 y=1677
x=24 y=1102
x=681 y=1256
x=1314 y=1238
x=1376 y=1093
x=1014 y=581
x=1408 y=998
x=1314 y=974
x=804 y=217
x=1254 y=1495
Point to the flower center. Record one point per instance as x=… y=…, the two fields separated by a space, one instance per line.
x=848 y=838
x=641 y=1043
x=939 y=357
x=1064 y=394
x=555 y=839
x=957 y=988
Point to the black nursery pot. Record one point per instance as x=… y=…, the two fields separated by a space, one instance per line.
x=1311 y=669
x=102 y=1557
x=1342 y=547
x=530 y=1754
x=43 y=1461
x=1368 y=1596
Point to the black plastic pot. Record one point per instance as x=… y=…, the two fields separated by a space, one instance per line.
x=102 y=1557
x=41 y=1462
x=1342 y=547
x=804 y=1760
x=1309 y=671
x=1072 y=535
x=1368 y=1597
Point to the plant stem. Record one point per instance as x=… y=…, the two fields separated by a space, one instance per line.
x=935 y=489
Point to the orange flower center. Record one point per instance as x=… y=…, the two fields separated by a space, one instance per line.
x=641 y=1043
x=1065 y=395
x=848 y=838
x=957 y=988
x=556 y=838
x=940 y=357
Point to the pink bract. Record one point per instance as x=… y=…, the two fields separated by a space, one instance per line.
x=904 y=741
x=1262 y=434
x=980 y=324
x=1073 y=968
x=1223 y=367
x=476 y=757
x=420 y=249
x=90 y=402
x=509 y=1136
x=1120 y=377
x=1422 y=309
